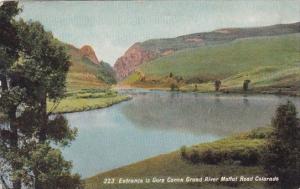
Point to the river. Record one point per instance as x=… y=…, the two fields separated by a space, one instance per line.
x=156 y=122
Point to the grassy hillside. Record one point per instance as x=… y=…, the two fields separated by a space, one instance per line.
x=88 y=85
x=269 y=62
x=106 y=73
x=217 y=37
x=85 y=74
x=151 y=50
x=174 y=165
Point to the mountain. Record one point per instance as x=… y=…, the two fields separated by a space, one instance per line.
x=88 y=52
x=143 y=52
x=86 y=70
x=132 y=58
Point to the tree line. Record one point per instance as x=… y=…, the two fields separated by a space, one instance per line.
x=217 y=83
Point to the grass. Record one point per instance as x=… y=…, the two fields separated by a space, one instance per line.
x=82 y=73
x=269 y=62
x=174 y=165
x=86 y=99
x=85 y=74
x=87 y=86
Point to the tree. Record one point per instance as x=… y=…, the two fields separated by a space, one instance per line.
x=8 y=39
x=246 y=84
x=195 y=87
x=9 y=46
x=35 y=73
x=217 y=85
x=282 y=153
x=174 y=87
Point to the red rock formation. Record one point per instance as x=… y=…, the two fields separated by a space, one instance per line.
x=132 y=58
x=89 y=52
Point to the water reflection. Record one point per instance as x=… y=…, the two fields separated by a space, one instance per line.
x=201 y=113
x=159 y=122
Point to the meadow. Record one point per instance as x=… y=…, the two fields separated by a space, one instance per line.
x=271 y=63
x=86 y=99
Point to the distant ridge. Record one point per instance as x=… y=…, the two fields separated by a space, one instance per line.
x=142 y=52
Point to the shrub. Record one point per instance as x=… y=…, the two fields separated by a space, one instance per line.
x=246 y=157
x=211 y=157
x=217 y=85
x=246 y=85
x=174 y=87
x=249 y=157
x=195 y=157
x=282 y=153
x=260 y=133
x=183 y=152
x=196 y=87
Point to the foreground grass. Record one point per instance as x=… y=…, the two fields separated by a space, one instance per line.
x=174 y=165
x=86 y=99
x=271 y=63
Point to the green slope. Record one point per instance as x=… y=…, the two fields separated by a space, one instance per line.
x=106 y=73
x=266 y=61
x=85 y=74
x=88 y=85
x=157 y=48
x=217 y=37
x=172 y=164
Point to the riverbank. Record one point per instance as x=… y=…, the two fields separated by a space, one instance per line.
x=209 y=88
x=273 y=90
x=195 y=161
x=87 y=99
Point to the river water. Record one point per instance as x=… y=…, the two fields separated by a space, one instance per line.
x=156 y=122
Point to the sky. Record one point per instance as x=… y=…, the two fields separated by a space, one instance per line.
x=111 y=27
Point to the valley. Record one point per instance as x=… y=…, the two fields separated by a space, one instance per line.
x=270 y=60
x=88 y=83
x=267 y=58
x=149 y=94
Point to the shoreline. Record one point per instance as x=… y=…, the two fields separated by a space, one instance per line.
x=239 y=92
x=96 y=107
x=86 y=108
x=249 y=138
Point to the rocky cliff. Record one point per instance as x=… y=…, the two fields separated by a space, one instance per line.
x=132 y=58
x=88 y=52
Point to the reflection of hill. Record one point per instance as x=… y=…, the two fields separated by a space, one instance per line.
x=200 y=113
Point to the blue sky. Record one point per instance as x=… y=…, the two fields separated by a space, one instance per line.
x=112 y=27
